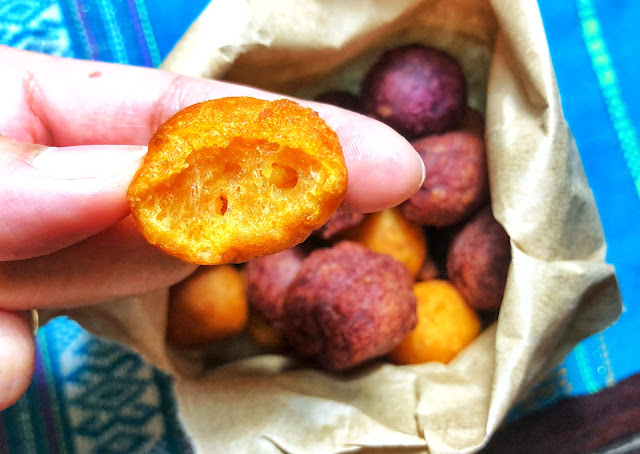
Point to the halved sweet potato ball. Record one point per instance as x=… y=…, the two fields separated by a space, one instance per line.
x=231 y=179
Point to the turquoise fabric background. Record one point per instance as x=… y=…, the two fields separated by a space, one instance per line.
x=90 y=395
x=594 y=51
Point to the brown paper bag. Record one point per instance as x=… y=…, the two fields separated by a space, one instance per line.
x=559 y=289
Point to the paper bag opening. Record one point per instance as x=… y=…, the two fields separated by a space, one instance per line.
x=559 y=289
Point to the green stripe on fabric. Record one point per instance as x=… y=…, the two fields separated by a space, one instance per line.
x=61 y=428
x=608 y=81
x=585 y=369
x=149 y=36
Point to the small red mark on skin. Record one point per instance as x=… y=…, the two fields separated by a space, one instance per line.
x=95 y=74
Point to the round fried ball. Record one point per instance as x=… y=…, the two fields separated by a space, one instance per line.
x=456 y=182
x=417 y=90
x=478 y=261
x=209 y=305
x=230 y=179
x=348 y=304
x=389 y=232
x=268 y=278
x=340 y=222
x=446 y=325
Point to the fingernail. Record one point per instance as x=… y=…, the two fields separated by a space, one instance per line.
x=89 y=161
x=424 y=171
x=35 y=322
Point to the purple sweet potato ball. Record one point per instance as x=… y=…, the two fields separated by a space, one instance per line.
x=478 y=261
x=347 y=305
x=338 y=223
x=456 y=182
x=268 y=278
x=417 y=90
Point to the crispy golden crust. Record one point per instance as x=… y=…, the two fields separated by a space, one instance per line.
x=230 y=179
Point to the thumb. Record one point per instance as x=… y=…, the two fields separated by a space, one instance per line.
x=53 y=197
x=17 y=355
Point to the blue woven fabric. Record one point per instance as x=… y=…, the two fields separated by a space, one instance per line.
x=90 y=395
x=594 y=52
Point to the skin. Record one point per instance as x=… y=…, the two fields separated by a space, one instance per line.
x=72 y=134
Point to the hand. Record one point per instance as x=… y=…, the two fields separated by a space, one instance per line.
x=74 y=132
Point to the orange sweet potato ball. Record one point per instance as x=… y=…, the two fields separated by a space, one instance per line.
x=446 y=324
x=265 y=333
x=230 y=179
x=389 y=232
x=209 y=305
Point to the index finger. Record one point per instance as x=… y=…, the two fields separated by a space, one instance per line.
x=71 y=102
